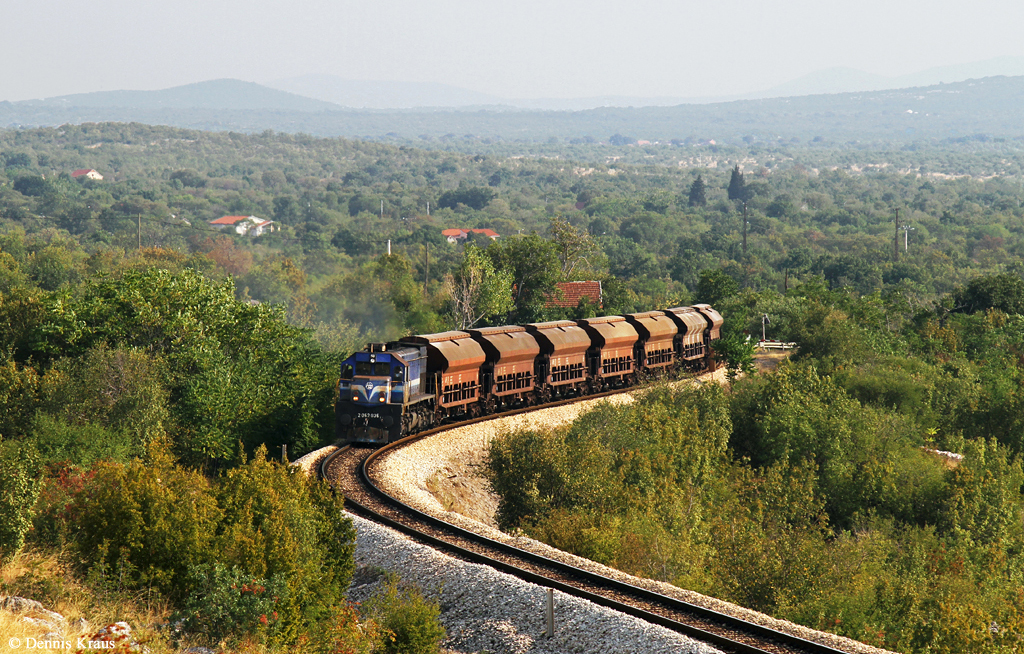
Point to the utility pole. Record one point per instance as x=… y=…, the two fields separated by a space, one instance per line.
x=906 y=233
x=426 y=272
x=896 y=238
x=382 y=209
x=744 y=229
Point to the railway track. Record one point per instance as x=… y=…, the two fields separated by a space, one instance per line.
x=350 y=471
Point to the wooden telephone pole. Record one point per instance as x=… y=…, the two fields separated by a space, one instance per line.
x=744 y=229
x=896 y=238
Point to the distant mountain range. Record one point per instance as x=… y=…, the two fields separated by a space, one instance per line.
x=231 y=94
x=316 y=93
x=409 y=95
x=850 y=80
x=990 y=106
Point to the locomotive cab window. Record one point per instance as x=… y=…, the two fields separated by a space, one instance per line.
x=346 y=371
x=398 y=374
x=367 y=369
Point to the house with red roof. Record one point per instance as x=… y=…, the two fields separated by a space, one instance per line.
x=88 y=173
x=568 y=295
x=244 y=225
x=456 y=235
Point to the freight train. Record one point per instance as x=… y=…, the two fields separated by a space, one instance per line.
x=391 y=390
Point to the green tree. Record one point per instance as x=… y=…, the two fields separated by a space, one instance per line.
x=19 y=488
x=627 y=259
x=534 y=267
x=714 y=286
x=737 y=190
x=737 y=352
x=474 y=197
x=287 y=210
x=189 y=177
x=577 y=250
x=476 y=291
x=1003 y=291
x=698 y=194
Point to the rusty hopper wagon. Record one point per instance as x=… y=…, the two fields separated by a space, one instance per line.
x=562 y=364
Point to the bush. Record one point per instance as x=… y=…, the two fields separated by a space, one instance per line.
x=227 y=605
x=160 y=525
x=60 y=442
x=19 y=488
x=279 y=524
x=410 y=620
x=150 y=520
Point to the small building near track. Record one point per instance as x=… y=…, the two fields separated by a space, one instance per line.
x=87 y=173
x=245 y=225
x=567 y=295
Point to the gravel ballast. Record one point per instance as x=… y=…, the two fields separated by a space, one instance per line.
x=486 y=610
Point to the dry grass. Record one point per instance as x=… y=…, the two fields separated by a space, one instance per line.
x=14 y=625
x=45 y=578
x=459 y=487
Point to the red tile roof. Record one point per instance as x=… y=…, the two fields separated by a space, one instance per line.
x=82 y=171
x=229 y=220
x=572 y=292
x=463 y=233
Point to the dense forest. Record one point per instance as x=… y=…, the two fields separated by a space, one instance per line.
x=136 y=337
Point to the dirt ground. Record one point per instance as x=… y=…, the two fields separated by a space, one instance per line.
x=768 y=361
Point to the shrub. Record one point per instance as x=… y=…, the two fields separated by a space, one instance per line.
x=19 y=488
x=279 y=524
x=410 y=619
x=152 y=518
x=227 y=604
x=78 y=444
x=157 y=524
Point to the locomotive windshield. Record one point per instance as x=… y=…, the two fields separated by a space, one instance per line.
x=398 y=374
x=367 y=369
x=346 y=371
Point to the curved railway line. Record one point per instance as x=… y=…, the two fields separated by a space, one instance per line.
x=350 y=470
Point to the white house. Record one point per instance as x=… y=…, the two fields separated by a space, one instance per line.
x=245 y=225
x=88 y=173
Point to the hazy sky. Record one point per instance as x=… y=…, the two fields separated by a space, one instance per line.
x=514 y=48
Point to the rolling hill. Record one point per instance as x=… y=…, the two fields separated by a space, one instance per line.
x=989 y=107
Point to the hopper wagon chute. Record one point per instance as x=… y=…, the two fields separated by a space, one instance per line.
x=655 y=348
x=562 y=364
x=611 y=353
x=690 y=340
x=508 y=373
